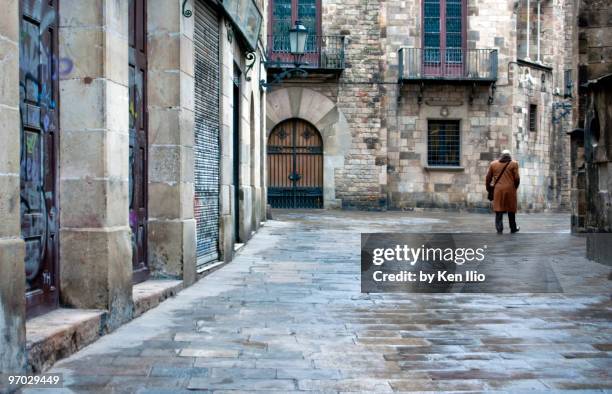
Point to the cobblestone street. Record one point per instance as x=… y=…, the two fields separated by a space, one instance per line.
x=287 y=315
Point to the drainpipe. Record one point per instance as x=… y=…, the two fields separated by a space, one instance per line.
x=528 y=28
x=539 y=23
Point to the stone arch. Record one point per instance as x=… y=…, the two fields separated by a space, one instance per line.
x=326 y=117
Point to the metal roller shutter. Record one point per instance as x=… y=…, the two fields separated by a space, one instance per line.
x=206 y=147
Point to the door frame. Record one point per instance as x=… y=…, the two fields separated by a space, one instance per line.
x=141 y=273
x=295 y=177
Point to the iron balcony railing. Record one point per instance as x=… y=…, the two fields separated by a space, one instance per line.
x=448 y=64
x=322 y=52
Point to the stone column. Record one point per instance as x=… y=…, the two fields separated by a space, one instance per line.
x=263 y=141
x=172 y=236
x=246 y=160
x=12 y=269
x=95 y=245
x=226 y=198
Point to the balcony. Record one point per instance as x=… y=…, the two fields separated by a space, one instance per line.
x=448 y=65
x=324 y=54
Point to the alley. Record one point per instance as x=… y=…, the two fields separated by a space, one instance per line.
x=287 y=315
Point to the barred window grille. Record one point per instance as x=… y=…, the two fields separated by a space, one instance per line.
x=533 y=117
x=443 y=143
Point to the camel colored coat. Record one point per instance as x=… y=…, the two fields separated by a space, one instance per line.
x=504 y=198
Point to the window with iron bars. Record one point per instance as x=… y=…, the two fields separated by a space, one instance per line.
x=443 y=143
x=533 y=117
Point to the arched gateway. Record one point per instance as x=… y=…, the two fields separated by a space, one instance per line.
x=295 y=165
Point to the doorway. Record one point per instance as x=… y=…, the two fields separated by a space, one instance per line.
x=206 y=147
x=295 y=166
x=138 y=215
x=39 y=112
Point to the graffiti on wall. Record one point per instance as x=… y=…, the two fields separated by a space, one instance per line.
x=40 y=70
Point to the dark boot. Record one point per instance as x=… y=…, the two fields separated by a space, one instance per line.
x=499 y=222
x=512 y=220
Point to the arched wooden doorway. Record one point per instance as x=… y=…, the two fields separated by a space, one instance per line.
x=295 y=166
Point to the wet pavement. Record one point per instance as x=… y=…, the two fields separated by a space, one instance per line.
x=287 y=315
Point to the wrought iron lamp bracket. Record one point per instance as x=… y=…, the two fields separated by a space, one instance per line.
x=296 y=71
x=186 y=13
x=251 y=57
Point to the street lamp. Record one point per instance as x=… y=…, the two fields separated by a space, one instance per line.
x=297 y=47
x=297 y=39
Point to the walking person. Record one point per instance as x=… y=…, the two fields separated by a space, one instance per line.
x=502 y=182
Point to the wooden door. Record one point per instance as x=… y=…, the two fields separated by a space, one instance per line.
x=138 y=137
x=39 y=110
x=295 y=166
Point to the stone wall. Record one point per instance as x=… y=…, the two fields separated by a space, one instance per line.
x=592 y=137
x=361 y=182
x=95 y=246
x=486 y=128
x=386 y=166
x=171 y=225
x=252 y=136
x=358 y=180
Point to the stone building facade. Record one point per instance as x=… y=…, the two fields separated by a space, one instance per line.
x=104 y=130
x=416 y=115
x=592 y=135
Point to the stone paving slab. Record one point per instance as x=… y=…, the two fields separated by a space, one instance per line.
x=287 y=315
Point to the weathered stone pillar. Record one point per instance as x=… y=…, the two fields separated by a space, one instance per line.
x=226 y=187
x=95 y=247
x=12 y=269
x=172 y=236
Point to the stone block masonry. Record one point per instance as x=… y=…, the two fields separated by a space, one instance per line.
x=386 y=165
